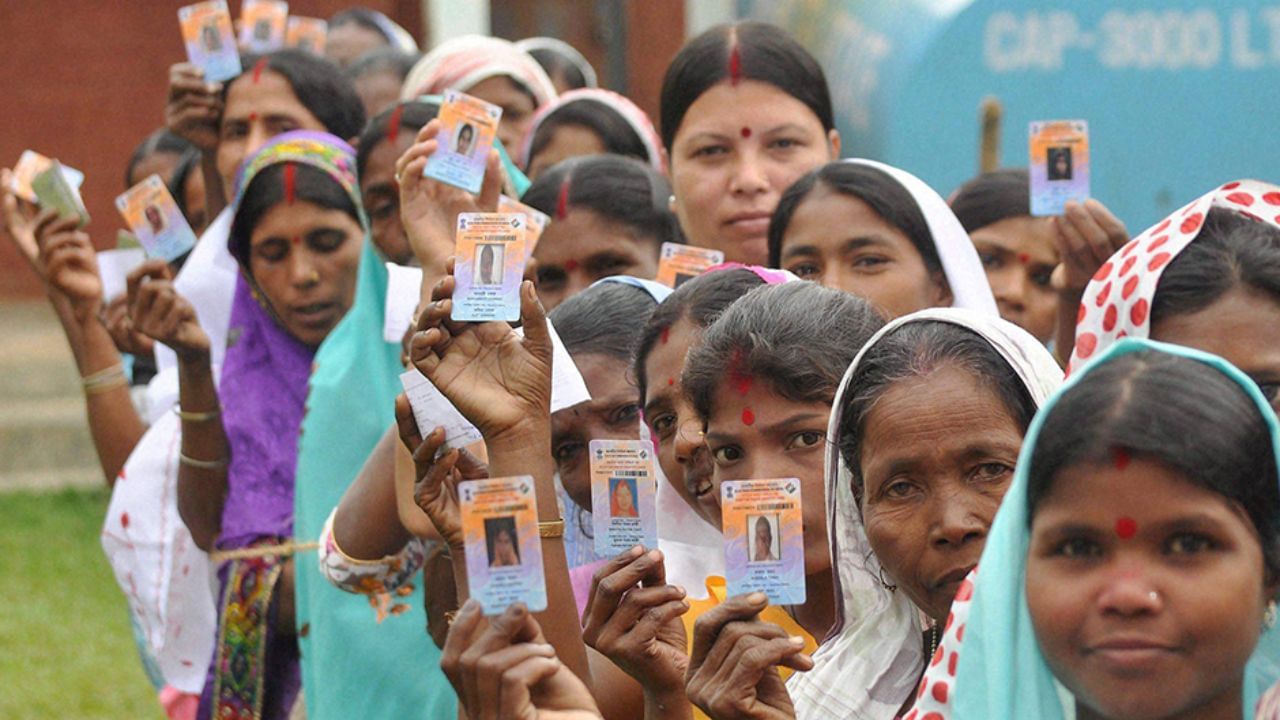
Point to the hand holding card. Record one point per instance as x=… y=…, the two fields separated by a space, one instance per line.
x=54 y=192
x=623 y=494
x=503 y=548
x=210 y=41
x=491 y=257
x=1059 y=165
x=764 y=539
x=156 y=220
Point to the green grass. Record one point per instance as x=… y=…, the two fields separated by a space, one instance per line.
x=66 y=648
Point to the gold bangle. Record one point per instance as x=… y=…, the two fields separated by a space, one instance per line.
x=552 y=529
x=192 y=416
x=202 y=464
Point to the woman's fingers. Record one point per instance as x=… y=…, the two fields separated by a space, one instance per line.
x=407 y=424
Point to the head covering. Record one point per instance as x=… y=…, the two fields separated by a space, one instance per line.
x=768 y=275
x=396 y=36
x=999 y=671
x=352 y=664
x=564 y=50
x=1117 y=302
x=629 y=111
x=656 y=290
x=960 y=263
x=463 y=62
x=871 y=658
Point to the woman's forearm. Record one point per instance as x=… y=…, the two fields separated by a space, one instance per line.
x=205 y=454
x=367 y=523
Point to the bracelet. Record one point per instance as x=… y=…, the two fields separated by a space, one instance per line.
x=202 y=464
x=192 y=416
x=552 y=529
x=104 y=380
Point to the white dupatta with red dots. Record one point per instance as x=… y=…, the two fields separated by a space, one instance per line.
x=871 y=658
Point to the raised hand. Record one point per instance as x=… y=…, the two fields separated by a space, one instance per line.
x=732 y=671
x=498 y=380
x=435 y=487
x=429 y=209
x=633 y=618
x=19 y=222
x=194 y=107
x=1088 y=234
x=69 y=262
x=159 y=312
x=125 y=336
x=507 y=671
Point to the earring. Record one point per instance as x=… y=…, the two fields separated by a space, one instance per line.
x=887 y=586
x=1269 y=616
x=671 y=203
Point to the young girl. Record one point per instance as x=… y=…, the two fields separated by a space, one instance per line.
x=898 y=244
x=608 y=217
x=1133 y=570
x=590 y=122
x=745 y=111
x=1206 y=277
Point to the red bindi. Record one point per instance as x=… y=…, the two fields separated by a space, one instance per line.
x=1126 y=527
x=746 y=132
x=253 y=117
x=570 y=265
x=671 y=381
x=748 y=417
x=297 y=239
x=1024 y=258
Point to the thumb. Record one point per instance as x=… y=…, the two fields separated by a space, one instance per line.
x=537 y=334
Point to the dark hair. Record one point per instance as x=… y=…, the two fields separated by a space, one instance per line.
x=159 y=142
x=700 y=300
x=1231 y=250
x=615 y=133
x=187 y=164
x=415 y=115
x=992 y=197
x=618 y=189
x=765 y=52
x=873 y=186
x=319 y=85
x=1180 y=412
x=556 y=63
x=266 y=190
x=917 y=349
x=380 y=60
x=605 y=319
x=799 y=337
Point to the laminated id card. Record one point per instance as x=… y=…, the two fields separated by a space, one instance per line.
x=537 y=221
x=54 y=191
x=306 y=33
x=30 y=164
x=764 y=538
x=211 y=44
x=678 y=264
x=468 y=126
x=1059 y=165
x=503 y=550
x=262 y=24
x=623 y=495
x=489 y=267
x=155 y=219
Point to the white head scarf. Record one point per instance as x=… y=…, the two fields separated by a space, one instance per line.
x=565 y=50
x=960 y=263
x=872 y=658
x=461 y=63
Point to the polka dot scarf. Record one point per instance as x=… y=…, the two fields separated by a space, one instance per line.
x=1117 y=302
x=988 y=664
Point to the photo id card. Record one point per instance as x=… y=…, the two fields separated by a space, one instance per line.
x=307 y=34
x=537 y=221
x=489 y=267
x=211 y=43
x=30 y=164
x=156 y=220
x=431 y=409
x=262 y=24
x=53 y=191
x=764 y=539
x=503 y=550
x=1059 y=164
x=623 y=495
x=680 y=263
x=468 y=126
